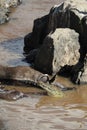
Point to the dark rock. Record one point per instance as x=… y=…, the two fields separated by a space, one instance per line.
x=65 y=71
x=70 y=14
x=35 y=39
x=79 y=72
x=58 y=49
x=43 y=61
x=30 y=58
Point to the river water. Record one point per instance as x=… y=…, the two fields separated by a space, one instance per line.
x=37 y=112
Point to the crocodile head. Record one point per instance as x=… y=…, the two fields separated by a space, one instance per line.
x=51 y=89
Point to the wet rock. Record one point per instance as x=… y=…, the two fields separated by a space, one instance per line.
x=11 y=94
x=5 y=9
x=78 y=14
x=79 y=72
x=31 y=56
x=70 y=14
x=82 y=76
x=9 y=3
x=62 y=49
x=34 y=40
x=4 y=15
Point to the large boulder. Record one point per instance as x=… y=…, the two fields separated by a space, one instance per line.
x=71 y=14
x=58 y=49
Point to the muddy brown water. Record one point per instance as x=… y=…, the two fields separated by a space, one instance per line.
x=37 y=112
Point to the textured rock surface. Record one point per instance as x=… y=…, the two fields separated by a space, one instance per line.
x=80 y=76
x=70 y=14
x=4 y=9
x=78 y=7
x=65 y=46
x=83 y=77
x=3 y=15
x=9 y=3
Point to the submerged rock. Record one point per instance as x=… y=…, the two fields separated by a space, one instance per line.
x=11 y=94
x=4 y=15
x=9 y=3
x=72 y=15
x=4 y=9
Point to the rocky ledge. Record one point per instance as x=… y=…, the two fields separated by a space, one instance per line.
x=5 y=9
x=58 y=41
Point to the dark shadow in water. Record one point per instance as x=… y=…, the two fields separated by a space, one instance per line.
x=11 y=52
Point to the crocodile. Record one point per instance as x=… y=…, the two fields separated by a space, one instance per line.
x=51 y=89
x=22 y=74
x=29 y=76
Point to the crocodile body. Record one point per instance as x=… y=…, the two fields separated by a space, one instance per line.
x=28 y=75
x=22 y=74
